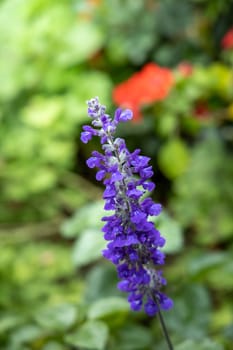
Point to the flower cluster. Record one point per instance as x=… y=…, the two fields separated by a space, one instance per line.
x=151 y=84
x=134 y=242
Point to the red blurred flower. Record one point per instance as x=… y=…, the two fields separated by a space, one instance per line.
x=227 y=40
x=151 y=84
x=185 y=69
x=201 y=110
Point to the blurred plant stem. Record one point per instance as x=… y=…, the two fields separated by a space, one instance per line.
x=163 y=326
x=73 y=180
x=24 y=233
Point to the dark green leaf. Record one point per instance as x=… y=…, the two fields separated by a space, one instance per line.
x=134 y=337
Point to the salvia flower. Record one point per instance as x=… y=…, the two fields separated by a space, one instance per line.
x=133 y=241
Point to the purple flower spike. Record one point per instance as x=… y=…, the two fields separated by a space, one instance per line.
x=133 y=242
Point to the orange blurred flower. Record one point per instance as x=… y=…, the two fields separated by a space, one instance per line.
x=151 y=84
x=227 y=40
x=94 y=2
x=87 y=12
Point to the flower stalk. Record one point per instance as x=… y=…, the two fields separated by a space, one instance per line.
x=134 y=243
x=163 y=327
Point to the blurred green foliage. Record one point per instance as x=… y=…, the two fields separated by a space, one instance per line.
x=56 y=290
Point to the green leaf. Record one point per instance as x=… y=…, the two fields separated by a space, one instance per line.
x=8 y=321
x=41 y=112
x=52 y=345
x=93 y=82
x=16 y=347
x=205 y=344
x=173 y=158
x=91 y=335
x=107 y=307
x=42 y=180
x=134 y=337
x=201 y=200
x=59 y=317
x=101 y=282
x=220 y=278
x=191 y=313
x=26 y=334
x=116 y=51
x=171 y=230
x=222 y=318
x=88 y=217
x=166 y=124
x=81 y=42
x=204 y=262
x=88 y=247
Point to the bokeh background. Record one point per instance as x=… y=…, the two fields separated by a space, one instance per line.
x=171 y=62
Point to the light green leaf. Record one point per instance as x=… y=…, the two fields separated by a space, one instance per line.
x=9 y=321
x=101 y=282
x=171 y=230
x=88 y=247
x=52 y=345
x=25 y=334
x=87 y=217
x=41 y=113
x=88 y=84
x=43 y=180
x=59 y=317
x=91 y=335
x=166 y=124
x=81 y=42
x=107 y=307
x=173 y=158
x=205 y=344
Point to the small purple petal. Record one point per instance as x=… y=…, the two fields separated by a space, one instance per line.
x=100 y=175
x=92 y=162
x=124 y=286
x=150 y=308
x=167 y=303
x=136 y=305
x=155 y=209
x=149 y=186
x=86 y=136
